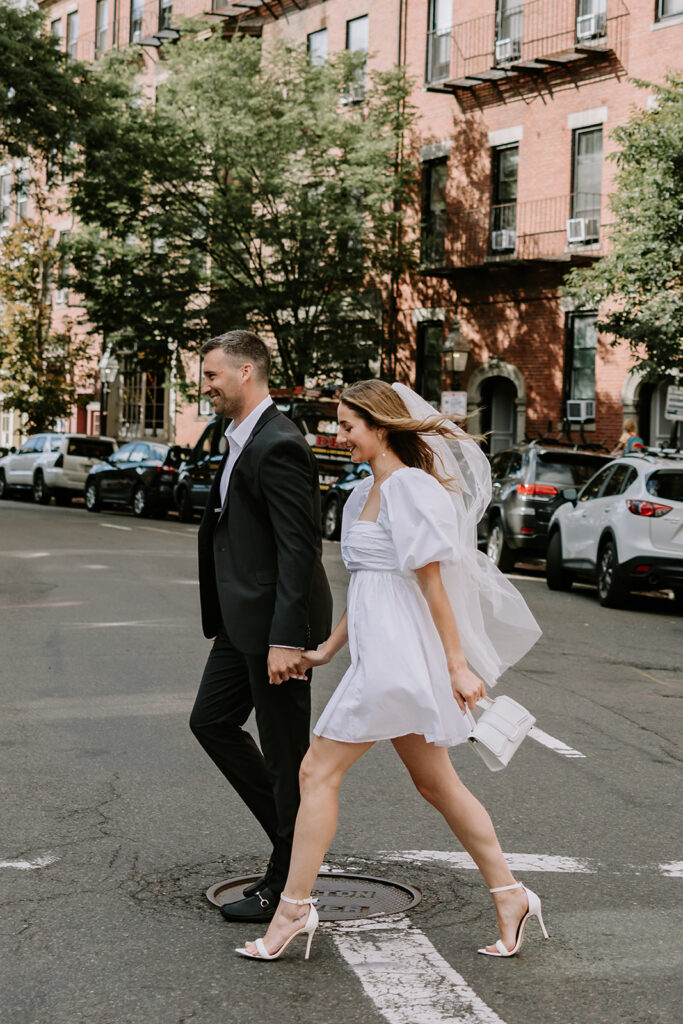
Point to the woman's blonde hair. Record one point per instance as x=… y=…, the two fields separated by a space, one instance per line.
x=630 y=426
x=380 y=406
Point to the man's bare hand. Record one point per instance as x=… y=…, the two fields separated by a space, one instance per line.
x=284 y=663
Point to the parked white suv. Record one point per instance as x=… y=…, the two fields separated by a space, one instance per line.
x=624 y=529
x=56 y=464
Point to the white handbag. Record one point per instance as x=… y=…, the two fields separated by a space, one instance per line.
x=499 y=730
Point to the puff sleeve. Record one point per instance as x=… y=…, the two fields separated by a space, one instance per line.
x=420 y=518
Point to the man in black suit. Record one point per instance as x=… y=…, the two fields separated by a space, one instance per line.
x=264 y=597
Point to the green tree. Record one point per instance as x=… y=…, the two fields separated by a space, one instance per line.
x=249 y=193
x=37 y=363
x=639 y=284
x=46 y=97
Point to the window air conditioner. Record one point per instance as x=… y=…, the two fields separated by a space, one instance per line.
x=354 y=93
x=583 y=229
x=580 y=410
x=508 y=49
x=590 y=26
x=502 y=240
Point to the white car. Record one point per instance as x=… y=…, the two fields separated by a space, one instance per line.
x=624 y=529
x=56 y=464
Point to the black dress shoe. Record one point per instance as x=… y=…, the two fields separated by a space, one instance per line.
x=254 y=887
x=260 y=907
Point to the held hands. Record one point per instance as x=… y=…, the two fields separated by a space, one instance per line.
x=284 y=663
x=467 y=687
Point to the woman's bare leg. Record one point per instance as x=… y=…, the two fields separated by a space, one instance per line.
x=436 y=779
x=322 y=771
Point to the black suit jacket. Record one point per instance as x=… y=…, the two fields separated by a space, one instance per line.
x=260 y=556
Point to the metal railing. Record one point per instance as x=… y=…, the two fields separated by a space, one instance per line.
x=539 y=229
x=538 y=29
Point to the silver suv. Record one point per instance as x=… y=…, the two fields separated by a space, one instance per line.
x=53 y=464
x=528 y=481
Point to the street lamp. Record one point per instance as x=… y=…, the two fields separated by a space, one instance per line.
x=456 y=350
x=109 y=369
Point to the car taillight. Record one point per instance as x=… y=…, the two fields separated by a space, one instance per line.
x=537 y=490
x=166 y=469
x=647 y=508
x=59 y=462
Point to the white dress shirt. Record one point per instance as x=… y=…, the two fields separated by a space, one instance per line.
x=237 y=437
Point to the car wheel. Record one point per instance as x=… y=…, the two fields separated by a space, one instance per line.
x=63 y=497
x=184 y=504
x=556 y=576
x=140 y=502
x=41 y=492
x=497 y=548
x=93 y=502
x=611 y=591
x=4 y=489
x=332 y=519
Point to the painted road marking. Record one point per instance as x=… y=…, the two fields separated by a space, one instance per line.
x=47 y=604
x=653 y=678
x=28 y=554
x=142 y=624
x=554 y=744
x=672 y=870
x=515 y=861
x=115 y=526
x=50 y=709
x=95 y=567
x=405 y=976
x=30 y=865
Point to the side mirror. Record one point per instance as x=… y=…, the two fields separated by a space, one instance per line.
x=569 y=494
x=174 y=454
x=12 y=449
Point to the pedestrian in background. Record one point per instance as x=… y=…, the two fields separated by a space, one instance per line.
x=629 y=440
x=264 y=598
x=429 y=619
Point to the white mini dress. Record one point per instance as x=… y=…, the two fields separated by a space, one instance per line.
x=398 y=681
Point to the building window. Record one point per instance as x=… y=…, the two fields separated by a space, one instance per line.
x=136 y=12
x=165 y=11
x=582 y=344
x=428 y=361
x=57 y=32
x=504 y=165
x=63 y=269
x=72 y=33
x=669 y=8
x=434 y=180
x=22 y=193
x=357 y=40
x=5 y=201
x=101 y=25
x=439 y=40
x=509 y=28
x=317 y=47
x=587 y=182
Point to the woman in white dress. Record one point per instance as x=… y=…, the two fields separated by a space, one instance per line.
x=422 y=604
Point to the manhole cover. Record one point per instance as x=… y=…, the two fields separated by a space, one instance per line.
x=341 y=897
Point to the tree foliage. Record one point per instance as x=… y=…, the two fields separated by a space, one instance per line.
x=248 y=194
x=37 y=362
x=46 y=98
x=639 y=284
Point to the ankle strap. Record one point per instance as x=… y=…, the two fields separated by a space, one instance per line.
x=505 y=888
x=299 y=903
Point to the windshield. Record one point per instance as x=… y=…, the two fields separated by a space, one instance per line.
x=560 y=468
x=667 y=483
x=89 y=448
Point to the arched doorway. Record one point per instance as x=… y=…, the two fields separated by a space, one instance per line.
x=498 y=417
x=497 y=392
x=653 y=426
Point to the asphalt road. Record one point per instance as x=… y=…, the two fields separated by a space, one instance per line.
x=114 y=821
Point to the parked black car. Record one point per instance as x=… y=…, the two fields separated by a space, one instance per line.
x=527 y=488
x=140 y=475
x=337 y=496
x=196 y=474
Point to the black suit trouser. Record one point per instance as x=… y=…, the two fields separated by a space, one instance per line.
x=267 y=780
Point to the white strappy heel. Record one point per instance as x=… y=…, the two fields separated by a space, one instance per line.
x=533 y=911
x=308 y=929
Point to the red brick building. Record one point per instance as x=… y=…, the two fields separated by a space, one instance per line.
x=517 y=103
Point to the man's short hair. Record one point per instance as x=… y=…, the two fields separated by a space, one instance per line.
x=244 y=347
